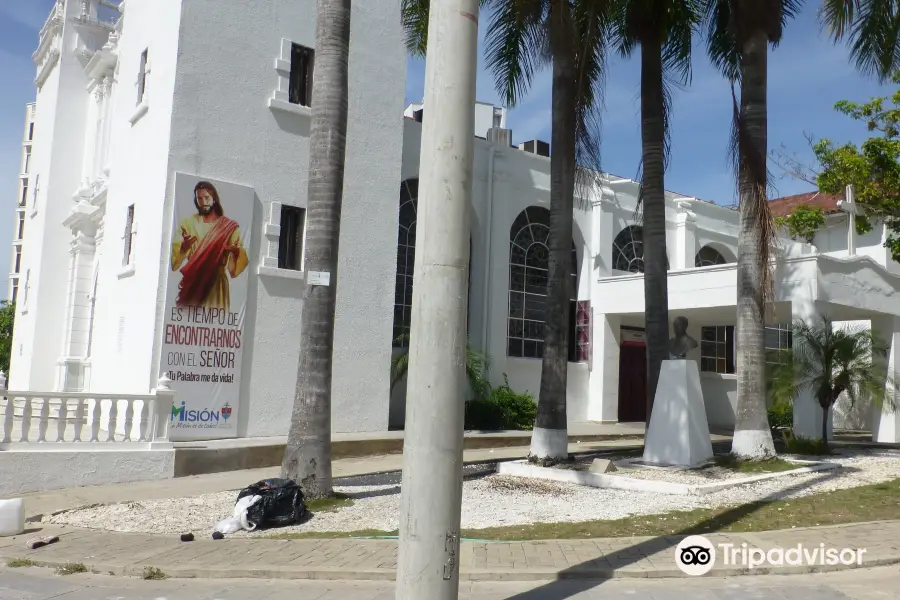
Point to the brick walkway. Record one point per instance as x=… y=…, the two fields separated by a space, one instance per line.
x=346 y=559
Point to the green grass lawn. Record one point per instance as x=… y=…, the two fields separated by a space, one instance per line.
x=876 y=502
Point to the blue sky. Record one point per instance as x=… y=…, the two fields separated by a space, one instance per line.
x=807 y=75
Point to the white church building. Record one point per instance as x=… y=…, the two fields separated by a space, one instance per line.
x=139 y=104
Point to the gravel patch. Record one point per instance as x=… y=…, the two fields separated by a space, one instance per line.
x=488 y=501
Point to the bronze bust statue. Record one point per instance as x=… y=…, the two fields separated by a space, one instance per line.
x=682 y=343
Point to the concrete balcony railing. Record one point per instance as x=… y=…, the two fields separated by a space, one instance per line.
x=31 y=420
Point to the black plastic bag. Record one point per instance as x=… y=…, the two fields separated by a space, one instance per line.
x=280 y=504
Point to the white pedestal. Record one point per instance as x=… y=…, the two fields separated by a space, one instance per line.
x=678 y=434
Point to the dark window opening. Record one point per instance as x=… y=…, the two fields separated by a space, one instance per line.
x=290 y=240
x=300 y=88
x=142 y=76
x=129 y=235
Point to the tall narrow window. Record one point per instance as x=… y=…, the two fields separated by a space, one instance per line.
x=302 y=62
x=129 y=235
x=15 y=291
x=20 y=226
x=30 y=131
x=18 y=264
x=529 y=265
x=27 y=164
x=290 y=241
x=25 y=291
x=142 y=76
x=406 y=258
x=24 y=197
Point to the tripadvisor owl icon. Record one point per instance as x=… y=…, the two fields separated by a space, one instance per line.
x=695 y=555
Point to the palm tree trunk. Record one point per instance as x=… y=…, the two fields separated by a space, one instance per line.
x=825 y=410
x=656 y=296
x=752 y=436
x=307 y=457
x=549 y=441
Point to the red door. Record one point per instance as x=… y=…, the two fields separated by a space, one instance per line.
x=632 y=382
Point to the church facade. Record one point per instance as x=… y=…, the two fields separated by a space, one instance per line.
x=165 y=233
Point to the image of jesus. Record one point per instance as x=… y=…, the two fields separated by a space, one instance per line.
x=211 y=244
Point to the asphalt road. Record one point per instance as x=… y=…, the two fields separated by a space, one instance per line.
x=861 y=584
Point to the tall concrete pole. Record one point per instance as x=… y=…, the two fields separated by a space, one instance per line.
x=428 y=565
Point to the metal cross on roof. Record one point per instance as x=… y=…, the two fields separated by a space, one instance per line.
x=849 y=206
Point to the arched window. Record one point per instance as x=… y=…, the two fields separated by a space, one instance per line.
x=628 y=250
x=406 y=255
x=709 y=256
x=406 y=258
x=529 y=264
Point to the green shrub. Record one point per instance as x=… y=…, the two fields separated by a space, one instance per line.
x=805 y=446
x=781 y=415
x=503 y=409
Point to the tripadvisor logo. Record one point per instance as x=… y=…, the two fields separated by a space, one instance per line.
x=696 y=555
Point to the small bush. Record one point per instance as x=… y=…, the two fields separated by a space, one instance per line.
x=17 y=563
x=503 y=409
x=805 y=446
x=781 y=415
x=71 y=569
x=153 y=574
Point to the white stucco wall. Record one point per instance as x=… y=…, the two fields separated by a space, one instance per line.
x=22 y=472
x=123 y=337
x=223 y=128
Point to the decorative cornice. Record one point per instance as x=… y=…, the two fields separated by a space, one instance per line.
x=49 y=64
x=50 y=31
x=684 y=214
x=80 y=219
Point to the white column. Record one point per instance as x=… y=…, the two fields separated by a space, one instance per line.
x=685 y=235
x=70 y=365
x=807 y=412
x=106 y=129
x=603 y=401
x=886 y=421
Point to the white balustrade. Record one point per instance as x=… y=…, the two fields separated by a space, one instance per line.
x=44 y=418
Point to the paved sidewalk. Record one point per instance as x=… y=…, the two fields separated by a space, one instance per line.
x=859 y=584
x=353 y=559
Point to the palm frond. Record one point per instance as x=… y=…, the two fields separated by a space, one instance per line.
x=414 y=19
x=477 y=366
x=593 y=23
x=516 y=46
x=872 y=30
x=831 y=361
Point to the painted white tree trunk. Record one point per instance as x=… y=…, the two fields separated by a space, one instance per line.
x=428 y=562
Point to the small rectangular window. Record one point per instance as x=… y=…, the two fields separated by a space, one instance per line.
x=290 y=241
x=142 y=76
x=30 y=131
x=24 y=198
x=20 y=227
x=27 y=160
x=15 y=291
x=302 y=64
x=717 y=349
x=129 y=235
x=18 y=264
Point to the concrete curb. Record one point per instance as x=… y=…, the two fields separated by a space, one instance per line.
x=480 y=575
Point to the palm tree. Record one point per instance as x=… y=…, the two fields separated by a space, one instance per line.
x=739 y=33
x=523 y=35
x=307 y=457
x=477 y=364
x=663 y=29
x=830 y=361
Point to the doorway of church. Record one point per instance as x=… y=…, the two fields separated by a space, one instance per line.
x=632 y=376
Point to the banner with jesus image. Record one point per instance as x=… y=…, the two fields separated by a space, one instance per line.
x=206 y=299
